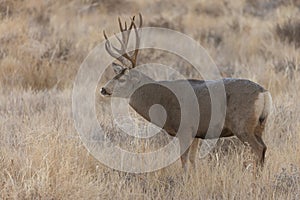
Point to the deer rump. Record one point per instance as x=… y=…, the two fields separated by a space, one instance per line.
x=242 y=98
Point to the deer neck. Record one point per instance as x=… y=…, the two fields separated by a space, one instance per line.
x=141 y=99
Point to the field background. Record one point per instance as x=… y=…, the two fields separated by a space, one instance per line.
x=43 y=43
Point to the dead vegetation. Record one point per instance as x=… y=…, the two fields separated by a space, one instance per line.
x=43 y=43
x=289 y=32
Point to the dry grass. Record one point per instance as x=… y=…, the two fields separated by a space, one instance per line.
x=42 y=44
x=290 y=32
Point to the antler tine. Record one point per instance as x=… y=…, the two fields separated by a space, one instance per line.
x=123 y=46
x=141 y=20
x=109 y=50
x=132 y=22
x=120 y=25
x=137 y=44
x=125 y=35
x=121 y=54
x=109 y=46
x=114 y=55
x=104 y=35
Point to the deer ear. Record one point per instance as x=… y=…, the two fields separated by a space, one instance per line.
x=117 y=68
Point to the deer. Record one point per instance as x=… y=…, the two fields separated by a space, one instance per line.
x=248 y=103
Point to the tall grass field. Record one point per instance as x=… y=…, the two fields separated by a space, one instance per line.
x=42 y=45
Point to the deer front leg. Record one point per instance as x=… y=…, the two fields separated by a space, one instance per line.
x=185 y=142
x=193 y=152
x=184 y=160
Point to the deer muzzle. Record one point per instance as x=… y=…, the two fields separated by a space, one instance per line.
x=104 y=92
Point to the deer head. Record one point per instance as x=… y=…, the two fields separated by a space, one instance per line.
x=126 y=79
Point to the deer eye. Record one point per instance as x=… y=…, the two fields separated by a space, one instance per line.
x=122 y=80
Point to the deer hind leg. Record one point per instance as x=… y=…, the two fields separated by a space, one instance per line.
x=193 y=152
x=259 y=139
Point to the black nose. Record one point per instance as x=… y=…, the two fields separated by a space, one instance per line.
x=103 y=91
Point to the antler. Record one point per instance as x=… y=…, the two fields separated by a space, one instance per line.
x=121 y=54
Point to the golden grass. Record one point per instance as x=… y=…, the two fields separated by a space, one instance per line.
x=42 y=44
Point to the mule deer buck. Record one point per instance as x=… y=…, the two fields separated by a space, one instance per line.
x=248 y=104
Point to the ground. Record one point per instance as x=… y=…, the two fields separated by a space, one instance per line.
x=42 y=45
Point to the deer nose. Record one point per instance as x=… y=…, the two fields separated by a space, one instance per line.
x=103 y=91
